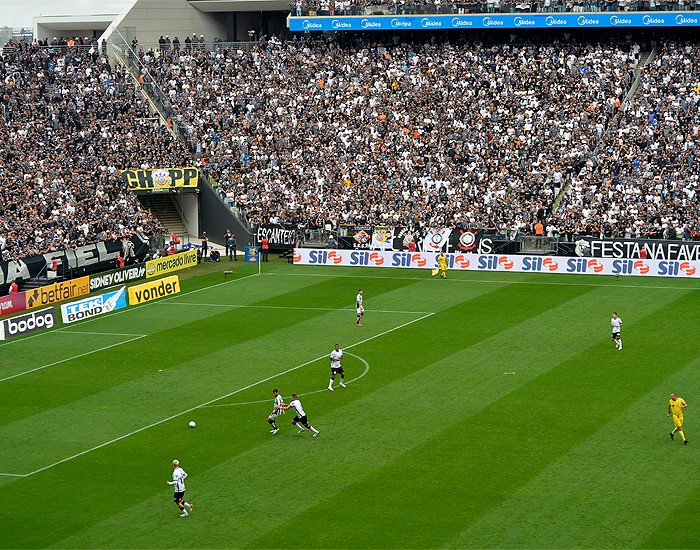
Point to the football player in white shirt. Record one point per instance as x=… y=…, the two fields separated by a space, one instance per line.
x=616 y=323
x=336 y=368
x=300 y=420
x=276 y=411
x=360 y=307
x=178 y=481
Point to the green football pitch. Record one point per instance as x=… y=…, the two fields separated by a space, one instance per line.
x=488 y=410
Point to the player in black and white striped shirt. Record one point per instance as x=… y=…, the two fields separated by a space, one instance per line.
x=178 y=481
x=276 y=411
x=300 y=420
x=360 y=308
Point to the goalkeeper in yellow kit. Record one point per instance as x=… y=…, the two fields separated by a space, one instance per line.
x=442 y=265
x=675 y=407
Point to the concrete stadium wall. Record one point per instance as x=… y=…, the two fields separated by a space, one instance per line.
x=147 y=20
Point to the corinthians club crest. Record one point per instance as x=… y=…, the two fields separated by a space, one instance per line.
x=467 y=240
x=161 y=178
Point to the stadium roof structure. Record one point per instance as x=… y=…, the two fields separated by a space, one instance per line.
x=239 y=5
x=226 y=20
x=48 y=26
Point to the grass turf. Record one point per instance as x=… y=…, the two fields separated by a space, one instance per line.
x=489 y=410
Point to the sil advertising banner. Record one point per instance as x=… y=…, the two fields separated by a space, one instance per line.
x=499 y=262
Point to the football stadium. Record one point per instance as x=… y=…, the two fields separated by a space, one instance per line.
x=351 y=274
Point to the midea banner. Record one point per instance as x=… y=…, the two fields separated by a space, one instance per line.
x=496 y=262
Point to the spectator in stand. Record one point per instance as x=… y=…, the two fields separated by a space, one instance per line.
x=205 y=245
x=265 y=247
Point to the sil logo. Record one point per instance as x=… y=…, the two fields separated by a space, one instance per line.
x=641 y=267
x=419 y=260
x=334 y=257
x=376 y=258
x=461 y=261
x=550 y=264
x=505 y=262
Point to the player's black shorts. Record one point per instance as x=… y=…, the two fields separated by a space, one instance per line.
x=177 y=497
x=337 y=370
x=615 y=336
x=302 y=420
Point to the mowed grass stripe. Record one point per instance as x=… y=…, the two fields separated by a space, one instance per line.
x=209 y=361
x=306 y=340
x=29 y=356
x=625 y=466
x=228 y=433
x=591 y=413
x=281 y=465
x=449 y=478
x=289 y=323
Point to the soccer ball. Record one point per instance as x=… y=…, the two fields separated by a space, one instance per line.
x=192 y=424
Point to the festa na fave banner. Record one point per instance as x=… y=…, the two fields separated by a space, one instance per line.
x=600 y=20
x=499 y=262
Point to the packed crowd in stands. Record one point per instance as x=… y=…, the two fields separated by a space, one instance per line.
x=319 y=132
x=409 y=7
x=643 y=177
x=69 y=122
x=407 y=134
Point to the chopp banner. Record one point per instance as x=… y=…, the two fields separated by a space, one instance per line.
x=496 y=262
x=161 y=178
x=161 y=288
x=93 y=306
x=29 y=322
x=57 y=292
x=154 y=268
x=495 y=21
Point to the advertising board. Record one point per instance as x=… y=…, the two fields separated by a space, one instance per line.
x=499 y=262
x=140 y=294
x=93 y=306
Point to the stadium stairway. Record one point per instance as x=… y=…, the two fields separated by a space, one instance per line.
x=163 y=208
x=644 y=59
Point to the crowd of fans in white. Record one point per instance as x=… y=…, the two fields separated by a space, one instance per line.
x=318 y=132
x=69 y=122
x=433 y=133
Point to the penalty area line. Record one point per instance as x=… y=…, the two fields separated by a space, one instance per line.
x=187 y=411
x=71 y=358
x=294 y=308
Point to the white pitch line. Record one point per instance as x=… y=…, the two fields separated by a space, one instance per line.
x=124 y=310
x=219 y=398
x=100 y=333
x=13 y=475
x=71 y=358
x=300 y=394
x=490 y=281
x=294 y=308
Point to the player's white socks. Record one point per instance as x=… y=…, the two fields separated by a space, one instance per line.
x=313 y=429
x=619 y=345
x=188 y=505
x=330 y=384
